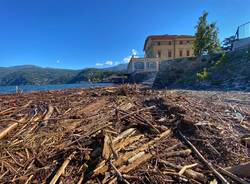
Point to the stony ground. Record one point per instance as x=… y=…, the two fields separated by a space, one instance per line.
x=126 y=134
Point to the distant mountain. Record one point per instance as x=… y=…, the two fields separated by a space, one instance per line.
x=34 y=75
x=120 y=67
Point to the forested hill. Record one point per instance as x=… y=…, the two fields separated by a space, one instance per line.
x=95 y=75
x=34 y=75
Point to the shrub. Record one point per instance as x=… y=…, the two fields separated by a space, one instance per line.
x=203 y=75
x=223 y=59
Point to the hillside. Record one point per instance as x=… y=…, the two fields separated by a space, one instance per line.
x=94 y=75
x=226 y=71
x=34 y=75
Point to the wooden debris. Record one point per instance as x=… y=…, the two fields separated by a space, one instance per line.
x=189 y=172
x=49 y=113
x=176 y=153
x=29 y=179
x=106 y=152
x=242 y=170
x=62 y=169
x=120 y=177
x=83 y=170
x=183 y=169
x=135 y=112
x=208 y=164
x=102 y=168
x=5 y=132
x=122 y=134
x=234 y=177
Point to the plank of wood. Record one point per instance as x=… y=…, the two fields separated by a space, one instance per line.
x=62 y=168
x=102 y=168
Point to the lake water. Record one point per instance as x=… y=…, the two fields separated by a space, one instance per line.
x=30 y=88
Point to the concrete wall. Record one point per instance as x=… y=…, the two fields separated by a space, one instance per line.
x=241 y=43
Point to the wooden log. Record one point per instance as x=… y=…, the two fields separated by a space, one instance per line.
x=148 y=123
x=208 y=164
x=114 y=153
x=7 y=111
x=87 y=134
x=84 y=167
x=118 y=173
x=136 y=157
x=173 y=147
x=49 y=113
x=29 y=179
x=141 y=121
x=106 y=152
x=176 y=153
x=234 y=177
x=135 y=161
x=7 y=130
x=124 y=134
x=135 y=112
x=188 y=173
x=62 y=169
x=186 y=167
x=242 y=170
x=129 y=140
x=102 y=168
x=11 y=109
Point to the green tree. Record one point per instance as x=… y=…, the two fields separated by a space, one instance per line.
x=206 y=37
x=228 y=43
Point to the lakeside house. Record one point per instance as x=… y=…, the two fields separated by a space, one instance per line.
x=159 y=48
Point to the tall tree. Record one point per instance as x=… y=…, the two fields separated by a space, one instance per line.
x=206 y=37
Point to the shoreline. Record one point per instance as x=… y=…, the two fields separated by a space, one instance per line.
x=34 y=88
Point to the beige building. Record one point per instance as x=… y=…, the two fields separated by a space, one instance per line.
x=159 y=48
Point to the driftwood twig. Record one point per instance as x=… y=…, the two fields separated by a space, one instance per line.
x=208 y=164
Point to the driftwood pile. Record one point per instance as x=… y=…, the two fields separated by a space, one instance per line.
x=125 y=134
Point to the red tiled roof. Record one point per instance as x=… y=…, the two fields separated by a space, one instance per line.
x=165 y=37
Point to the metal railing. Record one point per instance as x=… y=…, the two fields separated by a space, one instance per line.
x=143 y=59
x=243 y=31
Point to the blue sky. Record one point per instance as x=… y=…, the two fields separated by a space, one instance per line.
x=99 y=33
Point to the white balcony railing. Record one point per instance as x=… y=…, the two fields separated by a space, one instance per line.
x=143 y=65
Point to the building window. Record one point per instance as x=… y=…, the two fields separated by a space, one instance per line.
x=169 y=54
x=180 y=53
x=159 y=54
x=151 y=65
x=158 y=43
x=139 y=65
x=169 y=43
x=181 y=42
x=188 y=42
x=188 y=53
